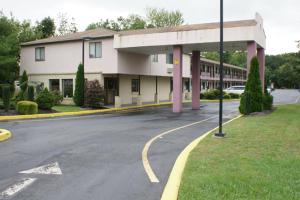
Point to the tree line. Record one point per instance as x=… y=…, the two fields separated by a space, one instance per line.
x=282 y=70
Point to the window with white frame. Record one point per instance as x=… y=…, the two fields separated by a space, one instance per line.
x=155 y=58
x=169 y=58
x=39 y=53
x=95 y=50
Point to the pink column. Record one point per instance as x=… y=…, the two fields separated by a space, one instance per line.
x=196 y=80
x=261 y=60
x=251 y=52
x=177 y=79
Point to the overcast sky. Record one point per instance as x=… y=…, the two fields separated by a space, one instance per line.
x=281 y=17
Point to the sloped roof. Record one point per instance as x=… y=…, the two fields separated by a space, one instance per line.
x=190 y=27
x=95 y=33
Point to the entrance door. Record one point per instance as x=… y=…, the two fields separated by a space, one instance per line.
x=111 y=89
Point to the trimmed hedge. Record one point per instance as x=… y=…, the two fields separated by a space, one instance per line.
x=234 y=96
x=226 y=96
x=79 y=86
x=27 y=107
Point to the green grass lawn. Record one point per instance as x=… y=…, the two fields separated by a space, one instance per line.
x=66 y=108
x=259 y=159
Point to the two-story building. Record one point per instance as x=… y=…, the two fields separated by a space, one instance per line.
x=133 y=71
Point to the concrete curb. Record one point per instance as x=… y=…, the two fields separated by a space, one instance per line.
x=4 y=135
x=89 y=112
x=172 y=187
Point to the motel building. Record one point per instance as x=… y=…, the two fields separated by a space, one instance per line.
x=147 y=65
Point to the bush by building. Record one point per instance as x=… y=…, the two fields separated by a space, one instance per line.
x=45 y=100
x=58 y=97
x=24 y=81
x=252 y=101
x=94 y=94
x=267 y=101
x=30 y=93
x=6 y=97
x=213 y=94
x=27 y=107
x=79 y=86
x=226 y=96
x=11 y=87
x=234 y=96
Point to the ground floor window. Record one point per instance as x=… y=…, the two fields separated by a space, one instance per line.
x=67 y=87
x=135 y=85
x=54 y=84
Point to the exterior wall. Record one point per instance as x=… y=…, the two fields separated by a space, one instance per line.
x=147 y=89
x=61 y=58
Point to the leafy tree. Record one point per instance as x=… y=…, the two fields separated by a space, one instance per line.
x=163 y=18
x=65 y=25
x=252 y=99
x=46 y=27
x=79 y=86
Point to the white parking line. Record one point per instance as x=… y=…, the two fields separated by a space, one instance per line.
x=17 y=187
x=148 y=169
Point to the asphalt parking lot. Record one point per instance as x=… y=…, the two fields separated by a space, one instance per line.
x=100 y=156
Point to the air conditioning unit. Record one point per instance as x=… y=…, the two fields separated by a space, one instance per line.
x=169 y=70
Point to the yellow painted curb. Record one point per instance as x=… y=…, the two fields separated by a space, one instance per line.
x=172 y=187
x=4 y=135
x=88 y=112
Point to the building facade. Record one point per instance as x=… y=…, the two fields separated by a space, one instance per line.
x=148 y=65
x=128 y=75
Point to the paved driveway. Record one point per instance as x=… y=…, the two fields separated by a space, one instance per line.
x=100 y=156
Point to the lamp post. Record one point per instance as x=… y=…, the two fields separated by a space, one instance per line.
x=220 y=133
x=83 y=40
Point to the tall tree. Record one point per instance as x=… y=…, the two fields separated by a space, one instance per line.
x=46 y=27
x=65 y=25
x=164 y=18
x=79 y=86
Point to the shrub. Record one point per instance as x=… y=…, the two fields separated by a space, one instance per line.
x=79 y=87
x=45 y=100
x=245 y=105
x=27 y=107
x=58 y=98
x=253 y=87
x=11 y=86
x=6 y=97
x=212 y=94
x=226 y=96
x=24 y=81
x=94 y=94
x=234 y=96
x=21 y=96
x=30 y=93
x=202 y=96
x=267 y=101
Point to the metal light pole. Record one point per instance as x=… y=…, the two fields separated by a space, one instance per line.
x=220 y=133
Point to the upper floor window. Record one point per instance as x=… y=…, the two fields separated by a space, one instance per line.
x=39 y=53
x=169 y=59
x=155 y=58
x=95 y=50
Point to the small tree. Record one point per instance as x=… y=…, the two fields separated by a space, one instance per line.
x=252 y=100
x=94 y=94
x=79 y=86
x=6 y=97
x=30 y=93
x=24 y=81
x=45 y=99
